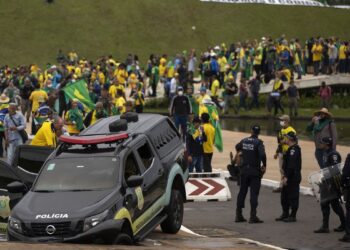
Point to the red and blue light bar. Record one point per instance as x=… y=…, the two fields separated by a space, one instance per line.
x=94 y=139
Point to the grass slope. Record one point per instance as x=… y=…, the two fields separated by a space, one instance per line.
x=33 y=31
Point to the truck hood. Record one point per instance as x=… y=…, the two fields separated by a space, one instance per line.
x=58 y=206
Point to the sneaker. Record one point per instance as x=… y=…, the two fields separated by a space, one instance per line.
x=290 y=219
x=322 y=230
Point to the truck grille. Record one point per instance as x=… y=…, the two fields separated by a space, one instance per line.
x=62 y=229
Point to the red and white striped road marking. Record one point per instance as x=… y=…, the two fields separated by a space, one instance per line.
x=204 y=189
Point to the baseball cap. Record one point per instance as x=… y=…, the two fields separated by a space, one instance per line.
x=256 y=129
x=180 y=88
x=327 y=140
x=285 y=118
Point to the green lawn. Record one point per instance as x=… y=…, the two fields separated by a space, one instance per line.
x=33 y=31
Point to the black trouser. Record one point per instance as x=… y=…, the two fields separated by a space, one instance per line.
x=326 y=210
x=254 y=182
x=207 y=162
x=347 y=207
x=139 y=109
x=2 y=138
x=290 y=198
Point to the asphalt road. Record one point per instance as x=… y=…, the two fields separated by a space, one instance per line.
x=216 y=219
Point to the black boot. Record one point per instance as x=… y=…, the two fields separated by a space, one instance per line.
x=239 y=216
x=254 y=218
x=325 y=222
x=292 y=217
x=341 y=228
x=283 y=216
x=346 y=238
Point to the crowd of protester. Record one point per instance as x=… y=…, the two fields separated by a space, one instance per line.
x=224 y=72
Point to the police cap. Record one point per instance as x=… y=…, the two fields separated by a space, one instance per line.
x=292 y=136
x=256 y=129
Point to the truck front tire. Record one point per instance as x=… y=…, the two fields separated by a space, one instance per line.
x=174 y=211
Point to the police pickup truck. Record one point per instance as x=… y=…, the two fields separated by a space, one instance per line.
x=113 y=183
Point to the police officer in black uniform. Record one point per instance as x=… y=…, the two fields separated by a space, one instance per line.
x=253 y=155
x=330 y=158
x=291 y=179
x=345 y=179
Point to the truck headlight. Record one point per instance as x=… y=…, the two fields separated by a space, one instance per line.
x=15 y=224
x=92 y=221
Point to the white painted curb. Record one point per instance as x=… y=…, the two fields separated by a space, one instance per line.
x=271 y=183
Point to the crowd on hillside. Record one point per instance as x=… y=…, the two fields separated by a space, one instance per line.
x=115 y=87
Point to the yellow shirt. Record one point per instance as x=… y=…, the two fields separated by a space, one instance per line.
x=316 y=52
x=35 y=96
x=45 y=136
x=277 y=85
x=120 y=102
x=209 y=131
x=132 y=80
x=287 y=73
x=342 y=55
x=282 y=133
x=77 y=71
x=71 y=128
x=215 y=87
x=93 y=118
x=162 y=69
x=121 y=75
x=102 y=78
x=114 y=88
x=257 y=59
x=222 y=63
x=170 y=72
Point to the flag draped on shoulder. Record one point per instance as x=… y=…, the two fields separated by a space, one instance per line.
x=78 y=90
x=214 y=119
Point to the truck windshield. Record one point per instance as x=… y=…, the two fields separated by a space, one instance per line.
x=77 y=174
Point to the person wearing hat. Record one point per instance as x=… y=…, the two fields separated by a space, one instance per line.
x=322 y=125
x=231 y=89
x=180 y=108
x=253 y=168
x=291 y=179
x=4 y=105
x=330 y=158
x=282 y=147
x=194 y=145
x=13 y=123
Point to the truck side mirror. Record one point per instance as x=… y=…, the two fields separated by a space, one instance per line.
x=16 y=187
x=134 y=181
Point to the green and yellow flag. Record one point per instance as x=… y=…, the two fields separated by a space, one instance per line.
x=214 y=119
x=78 y=90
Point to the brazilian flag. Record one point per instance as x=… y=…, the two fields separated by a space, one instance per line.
x=214 y=119
x=78 y=90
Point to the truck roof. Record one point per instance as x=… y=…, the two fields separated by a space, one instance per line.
x=145 y=123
